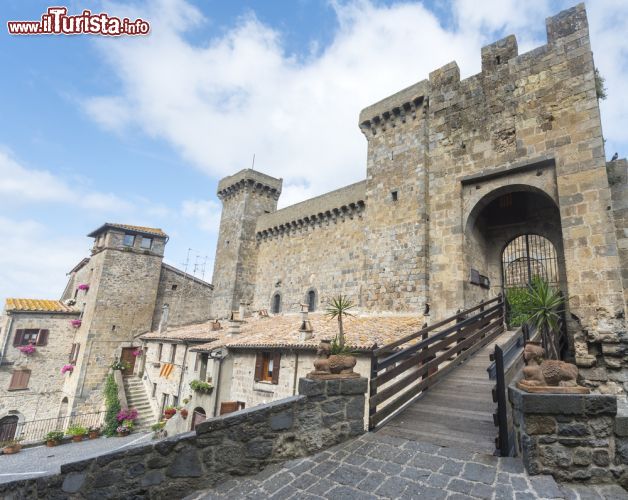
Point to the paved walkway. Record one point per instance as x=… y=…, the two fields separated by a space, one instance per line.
x=41 y=460
x=379 y=466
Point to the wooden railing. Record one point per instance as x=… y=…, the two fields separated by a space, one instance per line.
x=402 y=370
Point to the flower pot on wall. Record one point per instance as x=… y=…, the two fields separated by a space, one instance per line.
x=12 y=449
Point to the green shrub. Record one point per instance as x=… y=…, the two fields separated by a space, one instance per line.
x=54 y=436
x=76 y=430
x=519 y=306
x=200 y=386
x=112 y=406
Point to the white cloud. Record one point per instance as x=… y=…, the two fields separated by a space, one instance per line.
x=21 y=185
x=205 y=213
x=35 y=259
x=240 y=92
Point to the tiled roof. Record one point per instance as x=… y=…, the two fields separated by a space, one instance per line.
x=37 y=305
x=361 y=332
x=128 y=227
x=199 y=332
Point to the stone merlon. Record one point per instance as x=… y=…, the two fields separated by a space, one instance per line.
x=251 y=178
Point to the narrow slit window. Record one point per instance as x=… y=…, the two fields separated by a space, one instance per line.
x=394 y=195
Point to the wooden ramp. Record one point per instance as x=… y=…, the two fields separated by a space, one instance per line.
x=455 y=412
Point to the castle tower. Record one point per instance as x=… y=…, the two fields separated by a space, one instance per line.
x=245 y=196
x=116 y=290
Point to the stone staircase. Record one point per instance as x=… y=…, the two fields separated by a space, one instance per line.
x=137 y=398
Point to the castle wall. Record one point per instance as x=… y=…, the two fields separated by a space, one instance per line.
x=45 y=390
x=618 y=181
x=315 y=245
x=189 y=301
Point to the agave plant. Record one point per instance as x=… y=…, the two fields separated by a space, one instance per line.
x=338 y=307
x=544 y=303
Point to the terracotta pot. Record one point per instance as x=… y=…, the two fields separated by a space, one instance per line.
x=77 y=439
x=52 y=442
x=123 y=434
x=11 y=450
x=184 y=413
x=169 y=415
x=93 y=435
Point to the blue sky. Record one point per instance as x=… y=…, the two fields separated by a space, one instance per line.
x=140 y=130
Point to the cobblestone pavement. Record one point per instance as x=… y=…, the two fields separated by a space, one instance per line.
x=376 y=466
x=41 y=460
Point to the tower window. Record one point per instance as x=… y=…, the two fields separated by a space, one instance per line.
x=113 y=328
x=276 y=305
x=129 y=239
x=394 y=195
x=311 y=301
x=147 y=243
x=174 y=287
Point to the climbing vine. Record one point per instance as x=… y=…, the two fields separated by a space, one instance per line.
x=112 y=406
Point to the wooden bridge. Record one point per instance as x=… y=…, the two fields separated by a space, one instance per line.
x=433 y=385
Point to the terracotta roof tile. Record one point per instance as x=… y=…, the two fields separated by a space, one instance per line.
x=361 y=332
x=198 y=332
x=139 y=229
x=37 y=305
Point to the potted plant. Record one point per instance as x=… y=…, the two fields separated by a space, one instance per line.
x=94 y=432
x=170 y=411
x=119 y=365
x=202 y=387
x=67 y=368
x=184 y=412
x=53 y=438
x=11 y=446
x=123 y=430
x=340 y=358
x=75 y=323
x=27 y=349
x=542 y=310
x=77 y=432
x=137 y=352
x=83 y=286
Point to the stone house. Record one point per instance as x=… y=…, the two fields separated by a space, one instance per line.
x=472 y=186
x=116 y=294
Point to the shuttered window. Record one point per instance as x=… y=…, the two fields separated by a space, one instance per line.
x=19 y=380
x=267 y=367
x=74 y=353
x=35 y=336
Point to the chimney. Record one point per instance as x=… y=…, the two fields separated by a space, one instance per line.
x=306 y=330
x=163 y=321
x=234 y=323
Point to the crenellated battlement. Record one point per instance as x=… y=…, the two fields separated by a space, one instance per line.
x=252 y=180
x=564 y=28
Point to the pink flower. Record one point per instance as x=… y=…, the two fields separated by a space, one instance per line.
x=127 y=415
x=66 y=368
x=137 y=352
x=83 y=286
x=75 y=323
x=27 y=349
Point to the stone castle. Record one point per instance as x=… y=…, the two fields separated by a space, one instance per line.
x=458 y=171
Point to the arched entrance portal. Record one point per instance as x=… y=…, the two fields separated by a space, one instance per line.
x=8 y=427
x=198 y=416
x=512 y=234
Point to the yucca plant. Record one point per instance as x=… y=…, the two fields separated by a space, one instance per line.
x=338 y=308
x=544 y=303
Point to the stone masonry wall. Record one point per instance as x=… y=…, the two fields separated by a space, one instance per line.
x=618 y=182
x=45 y=391
x=324 y=414
x=570 y=436
x=189 y=302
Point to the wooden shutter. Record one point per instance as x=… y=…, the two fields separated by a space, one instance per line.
x=259 y=363
x=228 y=407
x=198 y=357
x=42 y=337
x=76 y=349
x=71 y=356
x=19 y=335
x=276 y=363
x=19 y=380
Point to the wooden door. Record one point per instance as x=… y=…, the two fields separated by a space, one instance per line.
x=198 y=416
x=128 y=358
x=8 y=426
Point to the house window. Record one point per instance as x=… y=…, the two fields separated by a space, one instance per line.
x=147 y=243
x=203 y=373
x=311 y=301
x=74 y=353
x=160 y=348
x=129 y=239
x=30 y=336
x=173 y=353
x=175 y=400
x=267 y=367
x=154 y=390
x=276 y=305
x=174 y=287
x=19 y=380
x=394 y=195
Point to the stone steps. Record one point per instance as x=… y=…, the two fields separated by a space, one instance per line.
x=138 y=399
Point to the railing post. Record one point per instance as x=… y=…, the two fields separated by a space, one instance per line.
x=372 y=389
x=502 y=415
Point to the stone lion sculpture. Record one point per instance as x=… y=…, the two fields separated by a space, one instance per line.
x=336 y=364
x=547 y=372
